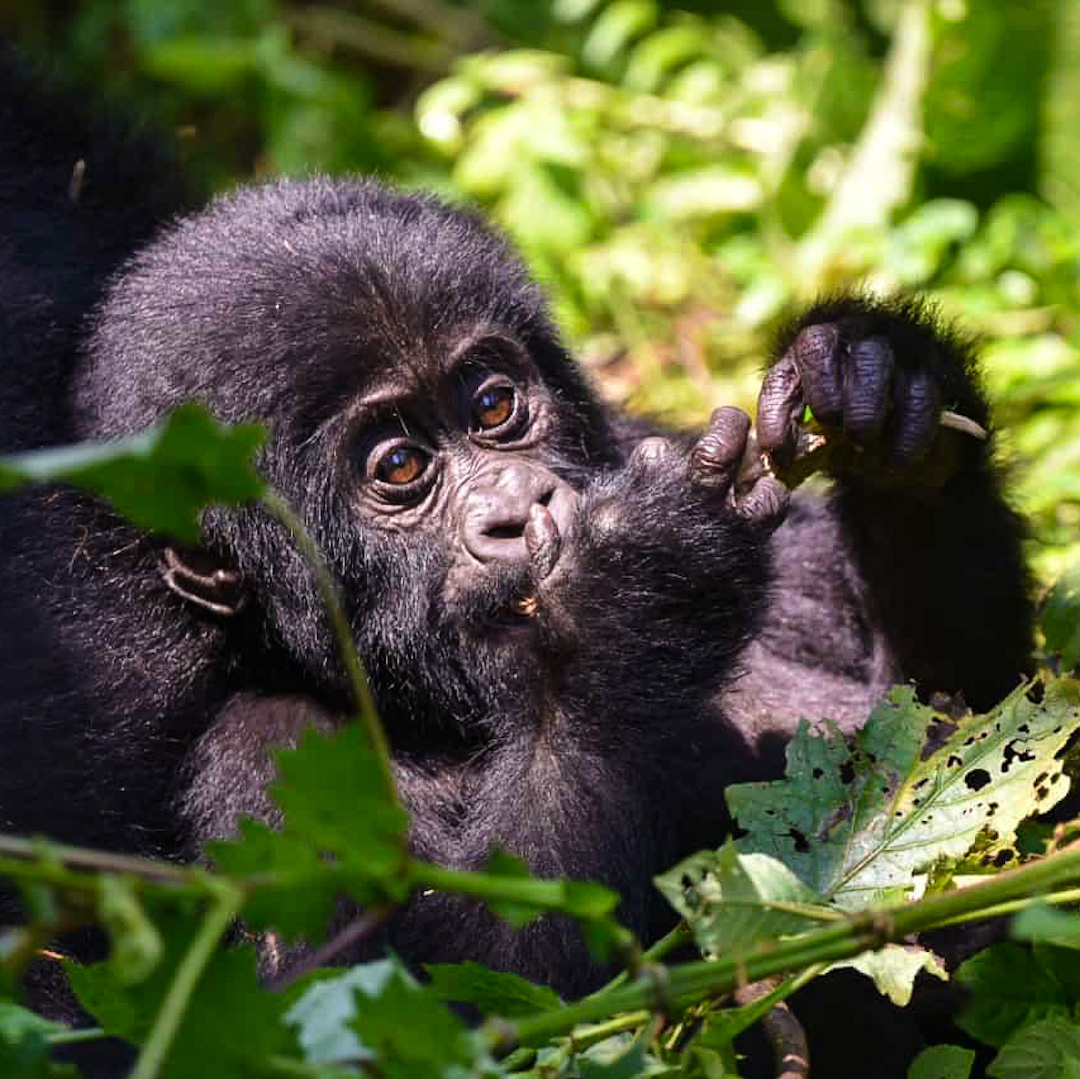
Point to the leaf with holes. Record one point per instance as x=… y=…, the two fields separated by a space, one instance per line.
x=732 y=901
x=856 y=824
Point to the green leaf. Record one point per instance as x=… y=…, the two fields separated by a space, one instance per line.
x=230 y=1024
x=662 y=52
x=546 y=208
x=323 y=1013
x=984 y=97
x=894 y=968
x=629 y=1065
x=942 y=1062
x=1061 y=618
x=16 y=1022
x=1046 y=1050
x=298 y=897
x=160 y=478
x=731 y=901
x=856 y=825
x=493 y=992
x=203 y=65
x=1044 y=924
x=1011 y=986
x=703 y=192
x=24 y=1047
x=616 y=27
x=333 y=795
x=587 y=901
x=412 y=1033
x=917 y=247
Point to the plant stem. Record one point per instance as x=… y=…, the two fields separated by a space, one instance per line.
x=216 y=924
x=71 y=1037
x=870 y=930
x=546 y=894
x=327 y=588
x=584 y=1037
x=32 y=857
x=1067 y=895
x=671 y=940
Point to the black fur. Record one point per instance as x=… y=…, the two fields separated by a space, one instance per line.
x=674 y=644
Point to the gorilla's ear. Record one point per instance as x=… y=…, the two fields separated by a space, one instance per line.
x=201 y=579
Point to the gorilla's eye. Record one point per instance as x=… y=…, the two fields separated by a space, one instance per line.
x=493 y=406
x=401 y=465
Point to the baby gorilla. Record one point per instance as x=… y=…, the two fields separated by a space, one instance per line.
x=577 y=635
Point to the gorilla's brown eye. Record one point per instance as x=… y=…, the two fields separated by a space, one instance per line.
x=401 y=465
x=493 y=406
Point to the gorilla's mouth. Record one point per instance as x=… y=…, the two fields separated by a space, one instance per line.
x=514 y=595
x=527 y=606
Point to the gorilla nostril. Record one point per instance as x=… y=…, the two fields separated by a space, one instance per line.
x=505 y=531
x=545 y=499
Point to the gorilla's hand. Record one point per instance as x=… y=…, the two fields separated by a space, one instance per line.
x=666 y=557
x=722 y=461
x=876 y=377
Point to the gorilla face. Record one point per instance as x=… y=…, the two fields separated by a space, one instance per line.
x=474 y=501
x=421 y=408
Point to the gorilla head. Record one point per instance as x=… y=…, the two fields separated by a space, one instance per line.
x=475 y=500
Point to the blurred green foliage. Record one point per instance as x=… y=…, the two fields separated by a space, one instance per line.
x=679 y=175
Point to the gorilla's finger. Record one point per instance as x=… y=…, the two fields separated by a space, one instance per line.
x=649 y=452
x=718 y=453
x=767 y=501
x=543 y=541
x=818 y=357
x=779 y=403
x=917 y=404
x=868 y=377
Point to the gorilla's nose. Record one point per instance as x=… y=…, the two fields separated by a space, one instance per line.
x=499 y=507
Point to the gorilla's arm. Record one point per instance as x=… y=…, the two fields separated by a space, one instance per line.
x=911 y=568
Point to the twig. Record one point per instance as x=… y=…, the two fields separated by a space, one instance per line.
x=356 y=931
x=782 y=1028
x=75 y=186
x=372 y=39
x=368 y=715
x=788 y=1041
x=14 y=851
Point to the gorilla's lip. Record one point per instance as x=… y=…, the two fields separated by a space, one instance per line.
x=508 y=601
x=514 y=615
x=527 y=606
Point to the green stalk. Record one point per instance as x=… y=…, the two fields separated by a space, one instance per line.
x=72 y=1037
x=58 y=863
x=870 y=930
x=163 y=1033
x=327 y=588
x=545 y=894
x=671 y=940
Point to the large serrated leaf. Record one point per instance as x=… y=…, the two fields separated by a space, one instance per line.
x=1046 y=1050
x=1008 y=987
x=731 y=901
x=857 y=824
x=160 y=478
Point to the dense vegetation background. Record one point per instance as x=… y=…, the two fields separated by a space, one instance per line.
x=677 y=174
